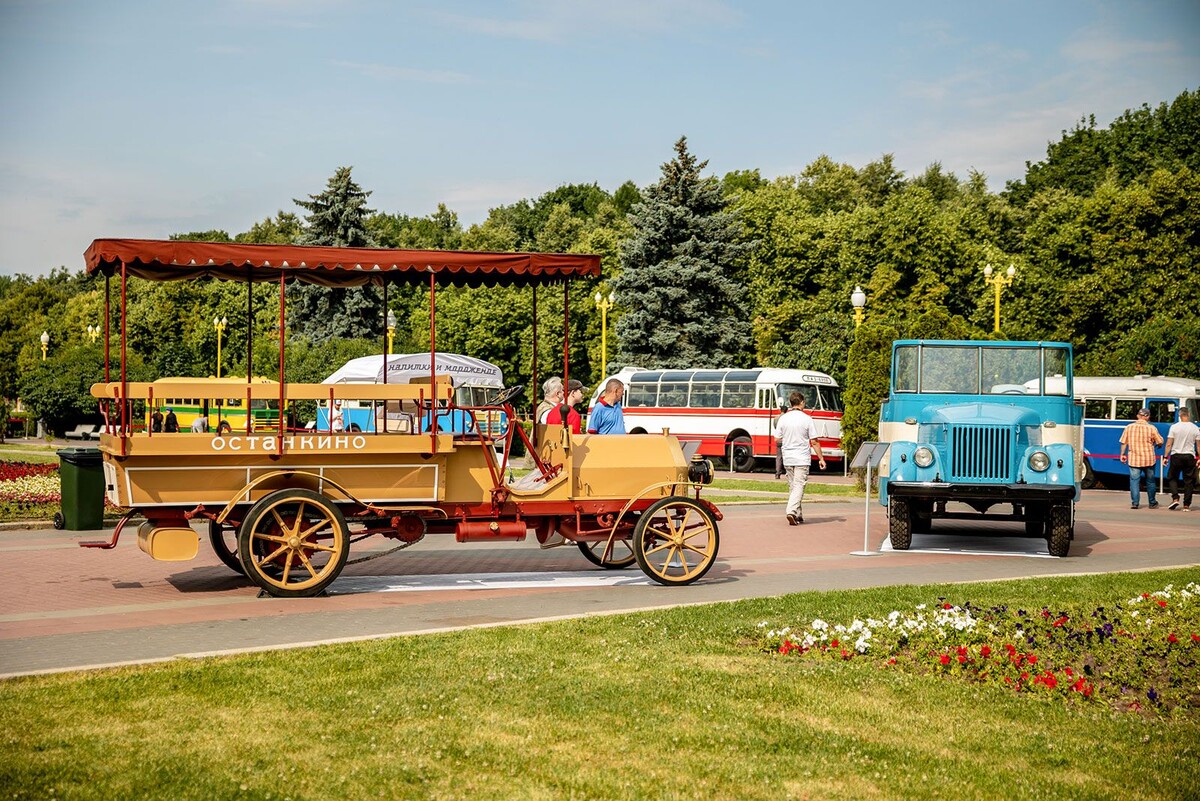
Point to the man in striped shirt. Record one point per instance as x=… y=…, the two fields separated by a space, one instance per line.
x=1138 y=443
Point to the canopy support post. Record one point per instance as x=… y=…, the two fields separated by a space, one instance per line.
x=282 y=340
x=533 y=401
x=433 y=398
x=249 y=327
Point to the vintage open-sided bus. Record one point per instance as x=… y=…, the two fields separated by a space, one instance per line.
x=284 y=506
x=264 y=412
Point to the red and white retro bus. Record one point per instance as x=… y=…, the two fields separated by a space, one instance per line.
x=731 y=413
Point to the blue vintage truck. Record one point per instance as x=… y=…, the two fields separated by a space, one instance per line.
x=992 y=426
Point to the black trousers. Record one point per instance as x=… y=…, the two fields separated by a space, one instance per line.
x=1182 y=465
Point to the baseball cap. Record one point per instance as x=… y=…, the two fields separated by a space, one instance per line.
x=573 y=385
x=1143 y=412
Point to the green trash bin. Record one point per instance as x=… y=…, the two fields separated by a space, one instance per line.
x=82 y=476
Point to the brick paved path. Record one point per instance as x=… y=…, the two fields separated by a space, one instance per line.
x=63 y=607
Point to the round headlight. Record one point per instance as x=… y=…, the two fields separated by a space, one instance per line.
x=1039 y=461
x=923 y=456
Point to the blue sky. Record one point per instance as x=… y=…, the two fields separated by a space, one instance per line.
x=143 y=119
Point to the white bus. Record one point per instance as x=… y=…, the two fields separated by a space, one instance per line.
x=1111 y=402
x=731 y=413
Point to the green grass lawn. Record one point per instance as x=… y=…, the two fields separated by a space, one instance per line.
x=665 y=704
x=28 y=452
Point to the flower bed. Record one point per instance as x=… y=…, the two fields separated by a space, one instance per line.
x=29 y=491
x=1139 y=655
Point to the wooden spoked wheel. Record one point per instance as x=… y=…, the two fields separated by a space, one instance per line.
x=614 y=556
x=675 y=541
x=293 y=543
x=224 y=544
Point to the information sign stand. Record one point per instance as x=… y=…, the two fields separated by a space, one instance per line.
x=869 y=455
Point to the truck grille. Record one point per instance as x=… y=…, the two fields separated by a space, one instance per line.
x=981 y=453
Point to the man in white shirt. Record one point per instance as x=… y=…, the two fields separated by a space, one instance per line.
x=796 y=437
x=1180 y=459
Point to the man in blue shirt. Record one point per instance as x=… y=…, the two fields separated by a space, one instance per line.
x=606 y=416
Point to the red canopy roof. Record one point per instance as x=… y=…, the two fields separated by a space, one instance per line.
x=168 y=260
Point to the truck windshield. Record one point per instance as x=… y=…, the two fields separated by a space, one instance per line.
x=975 y=370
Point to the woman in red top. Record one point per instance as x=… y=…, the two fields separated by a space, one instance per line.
x=575 y=393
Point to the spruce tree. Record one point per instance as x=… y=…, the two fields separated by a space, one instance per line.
x=685 y=303
x=336 y=217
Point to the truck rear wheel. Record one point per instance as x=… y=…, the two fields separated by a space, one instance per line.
x=1061 y=528
x=900 y=524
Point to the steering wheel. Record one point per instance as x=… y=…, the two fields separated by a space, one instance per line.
x=507 y=395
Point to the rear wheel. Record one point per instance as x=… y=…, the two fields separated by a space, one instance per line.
x=225 y=548
x=1061 y=529
x=1089 y=476
x=900 y=523
x=922 y=517
x=675 y=541
x=616 y=556
x=742 y=455
x=293 y=543
x=1035 y=520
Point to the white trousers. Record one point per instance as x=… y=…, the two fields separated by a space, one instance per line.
x=797 y=478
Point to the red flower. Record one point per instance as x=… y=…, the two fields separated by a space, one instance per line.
x=944 y=659
x=1032 y=658
x=1060 y=621
x=947 y=605
x=1196 y=638
x=1145 y=595
x=833 y=644
x=1162 y=603
x=1049 y=680
x=962 y=660
x=985 y=651
x=1012 y=649
x=1068 y=671
x=1172 y=639
x=962 y=650
x=892 y=661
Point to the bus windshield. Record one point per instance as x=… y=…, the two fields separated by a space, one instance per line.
x=815 y=397
x=975 y=370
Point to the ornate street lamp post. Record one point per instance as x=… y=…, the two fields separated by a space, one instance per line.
x=998 y=282
x=858 y=299
x=93 y=331
x=219 y=323
x=391 y=331
x=45 y=343
x=604 y=304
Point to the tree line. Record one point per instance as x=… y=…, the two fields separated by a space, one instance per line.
x=706 y=270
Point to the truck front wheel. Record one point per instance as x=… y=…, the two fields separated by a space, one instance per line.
x=1060 y=528
x=900 y=524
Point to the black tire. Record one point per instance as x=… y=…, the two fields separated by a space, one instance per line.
x=676 y=541
x=354 y=428
x=293 y=543
x=620 y=556
x=899 y=524
x=1060 y=530
x=60 y=522
x=1035 y=520
x=1089 y=476
x=742 y=455
x=922 y=520
x=225 y=550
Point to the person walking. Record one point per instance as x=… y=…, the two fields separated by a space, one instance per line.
x=1180 y=458
x=796 y=438
x=171 y=423
x=1138 y=443
x=607 y=416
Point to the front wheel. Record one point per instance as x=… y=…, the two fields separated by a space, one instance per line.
x=293 y=543
x=741 y=456
x=616 y=556
x=900 y=524
x=1061 y=528
x=675 y=541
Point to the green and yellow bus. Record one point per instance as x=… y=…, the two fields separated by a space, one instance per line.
x=264 y=414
